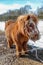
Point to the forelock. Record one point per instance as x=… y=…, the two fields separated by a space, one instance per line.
x=35 y=19
x=31 y=21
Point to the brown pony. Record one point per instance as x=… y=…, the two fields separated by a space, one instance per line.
x=18 y=33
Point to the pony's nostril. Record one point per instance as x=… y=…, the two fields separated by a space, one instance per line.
x=37 y=36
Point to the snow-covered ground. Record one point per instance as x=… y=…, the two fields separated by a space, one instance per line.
x=2 y=25
x=38 y=43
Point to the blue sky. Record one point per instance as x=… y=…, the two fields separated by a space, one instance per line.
x=20 y=1
x=5 y=5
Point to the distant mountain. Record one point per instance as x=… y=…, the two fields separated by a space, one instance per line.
x=41 y=8
x=13 y=14
x=22 y=10
x=40 y=12
x=25 y=10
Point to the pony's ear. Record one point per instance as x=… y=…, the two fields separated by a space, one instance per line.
x=28 y=17
x=35 y=18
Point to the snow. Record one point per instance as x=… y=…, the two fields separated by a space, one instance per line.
x=2 y=26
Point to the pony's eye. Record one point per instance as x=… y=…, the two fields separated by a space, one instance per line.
x=31 y=25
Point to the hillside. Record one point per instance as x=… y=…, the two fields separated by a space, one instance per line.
x=13 y=14
x=40 y=12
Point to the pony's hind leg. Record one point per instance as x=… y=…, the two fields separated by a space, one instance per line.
x=10 y=42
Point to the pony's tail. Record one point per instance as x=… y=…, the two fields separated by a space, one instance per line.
x=7 y=23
